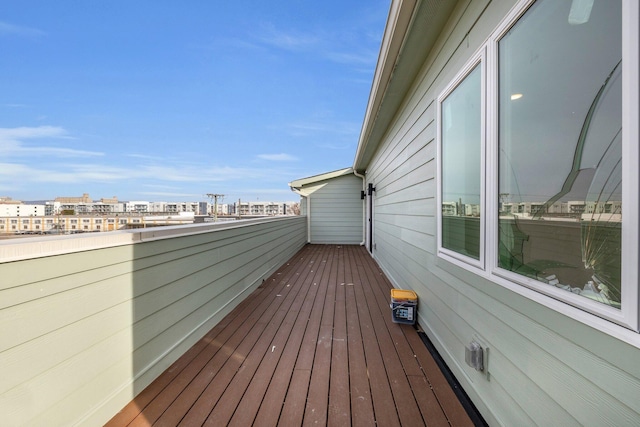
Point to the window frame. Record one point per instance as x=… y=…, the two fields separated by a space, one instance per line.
x=590 y=312
x=478 y=60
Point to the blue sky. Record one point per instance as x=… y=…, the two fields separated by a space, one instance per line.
x=167 y=100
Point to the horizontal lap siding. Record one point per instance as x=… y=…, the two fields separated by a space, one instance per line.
x=544 y=368
x=81 y=344
x=336 y=211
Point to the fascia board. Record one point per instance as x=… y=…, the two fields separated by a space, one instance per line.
x=299 y=183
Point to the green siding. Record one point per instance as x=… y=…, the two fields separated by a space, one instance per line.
x=84 y=332
x=336 y=211
x=544 y=367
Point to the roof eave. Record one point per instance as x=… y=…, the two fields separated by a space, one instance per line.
x=299 y=183
x=413 y=26
x=398 y=21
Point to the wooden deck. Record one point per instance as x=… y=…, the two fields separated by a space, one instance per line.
x=314 y=344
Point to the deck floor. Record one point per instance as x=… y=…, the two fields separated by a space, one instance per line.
x=314 y=344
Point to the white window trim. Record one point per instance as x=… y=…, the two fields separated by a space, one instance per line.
x=479 y=59
x=631 y=157
x=621 y=323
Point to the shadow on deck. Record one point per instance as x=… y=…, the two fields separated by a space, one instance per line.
x=314 y=344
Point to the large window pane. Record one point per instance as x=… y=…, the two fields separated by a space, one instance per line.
x=560 y=177
x=461 y=178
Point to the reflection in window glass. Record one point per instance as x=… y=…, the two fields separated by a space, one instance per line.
x=560 y=148
x=461 y=146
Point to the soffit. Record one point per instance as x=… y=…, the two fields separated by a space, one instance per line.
x=412 y=30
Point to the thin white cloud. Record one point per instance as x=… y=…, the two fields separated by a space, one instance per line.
x=293 y=41
x=282 y=157
x=344 y=146
x=227 y=44
x=19 y=30
x=364 y=57
x=143 y=156
x=12 y=143
x=31 y=132
x=162 y=181
x=323 y=126
x=158 y=174
x=339 y=46
x=158 y=187
x=172 y=195
x=58 y=152
x=15 y=105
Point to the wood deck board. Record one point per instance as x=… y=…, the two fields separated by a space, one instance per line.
x=235 y=333
x=250 y=387
x=383 y=404
x=318 y=395
x=315 y=344
x=273 y=400
x=378 y=301
x=260 y=334
x=449 y=404
x=339 y=411
x=287 y=336
x=177 y=373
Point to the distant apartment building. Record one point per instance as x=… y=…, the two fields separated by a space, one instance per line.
x=136 y=206
x=82 y=214
x=74 y=200
x=197 y=208
x=22 y=210
x=265 y=208
x=10 y=207
x=70 y=224
x=85 y=205
x=572 y=209
x=575 y=209
x=89 y=208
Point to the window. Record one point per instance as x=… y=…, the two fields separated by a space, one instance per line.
x=560 y=148
x=461 y=162
x=538 y=205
